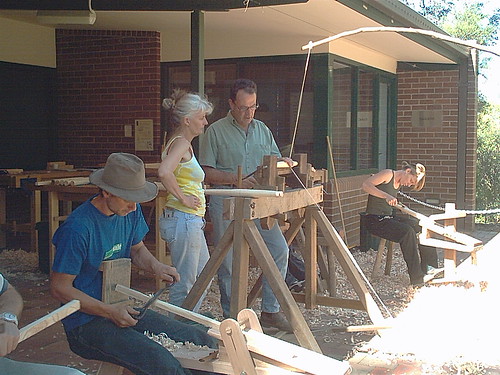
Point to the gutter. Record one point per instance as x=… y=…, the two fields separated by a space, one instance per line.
x=395 y=13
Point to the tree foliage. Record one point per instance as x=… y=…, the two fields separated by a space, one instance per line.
x=468 y=20
x=433 y=10
x=488 y=160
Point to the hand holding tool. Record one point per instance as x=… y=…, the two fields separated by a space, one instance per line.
x=151 y=301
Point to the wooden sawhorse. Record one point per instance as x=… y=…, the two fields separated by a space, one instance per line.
x=243 y=235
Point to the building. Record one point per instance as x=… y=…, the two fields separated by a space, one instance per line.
x=78 y=92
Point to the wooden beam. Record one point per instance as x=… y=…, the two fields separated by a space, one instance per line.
x=115 y=272
x=241 y=252
x=198 y=318
x=269 y=206
x=332 y=301
x=279 y=287
x=348 y=264
x=134 y=5
x=257 y=342
x=49 y=319
x=310 y=255
x=248 y=193
x=210 y=269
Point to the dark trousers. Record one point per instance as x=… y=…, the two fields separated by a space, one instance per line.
x=102 y=340
x=403 y=230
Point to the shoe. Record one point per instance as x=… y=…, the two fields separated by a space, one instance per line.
x=433 y=273
x=297 y=286
x=275 y=321
x=417 y=282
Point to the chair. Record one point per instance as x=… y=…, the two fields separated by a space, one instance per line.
x=114 y=272
x=380 y=253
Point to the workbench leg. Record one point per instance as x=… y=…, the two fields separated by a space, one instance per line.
x=236 y=347
x=35 y=217
x=161 y=246
x=332 y=275
x=450 y=256
x=450 y=264
x=3 y=218
x=279 y=287
x=241 y=254
x=53 y=205
x=310 y=260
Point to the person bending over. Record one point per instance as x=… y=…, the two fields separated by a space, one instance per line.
x=111 y=225
x=383 y=188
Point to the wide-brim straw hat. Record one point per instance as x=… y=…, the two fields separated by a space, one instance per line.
x=124 y=176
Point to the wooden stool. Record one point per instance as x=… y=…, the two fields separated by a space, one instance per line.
x=378 y=260
x=114 y=272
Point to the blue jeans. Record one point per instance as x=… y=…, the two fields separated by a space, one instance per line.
x=186 y=241
x=275 y=242
x=100 y=339
x=10 y=367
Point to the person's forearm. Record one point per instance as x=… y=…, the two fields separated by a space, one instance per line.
x=170 y=182
x=216 y=177
x=88 y=304
x=142 y=258
x=11 y=301
x=376 y=192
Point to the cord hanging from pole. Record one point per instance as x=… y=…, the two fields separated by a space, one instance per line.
x=300 y=104
x=330 y=153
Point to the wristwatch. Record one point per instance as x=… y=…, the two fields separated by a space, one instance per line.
x=9 y=317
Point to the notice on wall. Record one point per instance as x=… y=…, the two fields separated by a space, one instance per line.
x=364 y=119
x=427 y=119
x=144 y=135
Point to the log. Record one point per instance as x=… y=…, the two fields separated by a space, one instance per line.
x=71 y=181
x=49 y=319
x=198 y=318
x=249 y=193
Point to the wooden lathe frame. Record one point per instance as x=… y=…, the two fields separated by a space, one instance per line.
x=243 y=236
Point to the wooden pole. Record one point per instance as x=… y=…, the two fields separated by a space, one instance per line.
x=330 y=153
x=249 y=193
x=49 y=319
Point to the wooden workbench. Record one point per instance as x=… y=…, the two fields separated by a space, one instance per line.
x=58 y=212
x=20 y=180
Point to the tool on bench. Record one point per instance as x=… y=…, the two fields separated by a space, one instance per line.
x=151 y=301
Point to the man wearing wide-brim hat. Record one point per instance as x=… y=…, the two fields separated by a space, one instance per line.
x=111 y=225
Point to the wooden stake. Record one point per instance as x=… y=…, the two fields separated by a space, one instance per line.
x=49 y=319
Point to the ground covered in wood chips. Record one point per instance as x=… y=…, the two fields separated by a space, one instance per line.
x=450 y=329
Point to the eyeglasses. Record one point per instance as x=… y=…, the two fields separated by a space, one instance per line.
x=244 y=108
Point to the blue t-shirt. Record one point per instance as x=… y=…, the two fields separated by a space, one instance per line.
x=3 y=284
x=84 y=240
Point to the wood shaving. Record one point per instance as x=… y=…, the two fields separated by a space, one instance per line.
x=172 y=345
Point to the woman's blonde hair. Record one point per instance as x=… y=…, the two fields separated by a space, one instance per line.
x=416 y=170
x=183 y=104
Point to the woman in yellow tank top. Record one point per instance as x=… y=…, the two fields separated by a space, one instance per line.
x=182 y=222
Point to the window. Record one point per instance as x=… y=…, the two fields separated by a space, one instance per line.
x=352 y=104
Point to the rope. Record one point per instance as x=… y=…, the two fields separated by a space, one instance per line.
x=468 y=212
x=300 y=104
x=304 y=186
x=356 y=265
x=330 y=153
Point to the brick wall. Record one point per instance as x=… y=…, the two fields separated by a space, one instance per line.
x=435 y=147
x=106 y=80
x=435 y=144
x=352 y=203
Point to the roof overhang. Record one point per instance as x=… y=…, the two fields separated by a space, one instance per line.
x=273 y=29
